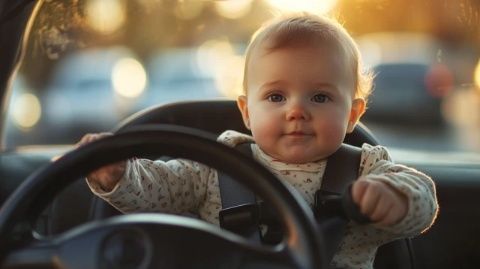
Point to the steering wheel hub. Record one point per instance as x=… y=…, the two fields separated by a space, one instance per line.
x=126 y=249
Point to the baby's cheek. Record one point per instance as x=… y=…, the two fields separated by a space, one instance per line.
x=265 y=125
x=333 y=133
x=266 y=137
x=264 y=131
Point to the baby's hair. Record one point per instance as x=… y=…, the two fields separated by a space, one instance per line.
x=308 y=29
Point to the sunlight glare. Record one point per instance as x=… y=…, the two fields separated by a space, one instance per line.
x=233 y=9
x=371 y=52
x=313 y=6
x=212 y=54
x=129 y=78
x=219 y=57
x=229 y=79
x=477 y=76
x=105 y=16
x=26 y=110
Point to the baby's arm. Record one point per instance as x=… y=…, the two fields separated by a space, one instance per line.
x=176 y=186
x=141 y=185
x=383 y=204
x=397 y=198
x=107 y=176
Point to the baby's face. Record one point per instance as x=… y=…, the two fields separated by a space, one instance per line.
x=299 y=103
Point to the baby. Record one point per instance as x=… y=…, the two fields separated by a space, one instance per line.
x=304 y=90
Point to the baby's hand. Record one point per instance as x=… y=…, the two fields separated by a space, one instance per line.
x=380 y=202
x=107 y=176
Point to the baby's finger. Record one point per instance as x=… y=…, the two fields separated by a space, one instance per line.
x=84 y=140
x=88 y=138
x=393 y=216
x=102 y=135
x=358 y=190
x=384 y=206
x=370 y=198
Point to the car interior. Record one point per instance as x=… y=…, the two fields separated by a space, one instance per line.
x=65 y=212
x=58 y=212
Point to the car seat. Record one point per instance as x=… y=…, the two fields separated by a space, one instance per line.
x=216 y=116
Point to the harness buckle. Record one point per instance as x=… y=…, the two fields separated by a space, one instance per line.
x=246 y=219
x=241 y=219
x=328 y=204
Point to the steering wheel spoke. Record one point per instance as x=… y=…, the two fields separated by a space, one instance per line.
x=34 y=255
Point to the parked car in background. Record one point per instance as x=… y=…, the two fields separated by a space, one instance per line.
x=401 y=91
x=109 y=84
x=177 y=74
x=86 y=82
x=416 y=78
x=410 y=76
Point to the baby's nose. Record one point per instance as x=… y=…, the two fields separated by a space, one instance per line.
x=297 y=111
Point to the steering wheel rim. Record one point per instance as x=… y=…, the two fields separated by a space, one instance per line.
x=303 y=240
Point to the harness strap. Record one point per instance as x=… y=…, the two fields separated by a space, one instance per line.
x=342 y=169
x=232 y=192
x=331 y=212
x=239 y=212
x=242 y=214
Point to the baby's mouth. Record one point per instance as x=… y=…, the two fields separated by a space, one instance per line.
x=298 y=134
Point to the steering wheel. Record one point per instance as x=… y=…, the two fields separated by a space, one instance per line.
x=156 y=240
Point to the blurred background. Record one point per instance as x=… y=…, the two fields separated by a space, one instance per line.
x=91 y=63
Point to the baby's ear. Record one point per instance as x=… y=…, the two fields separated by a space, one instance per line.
x=356 y=112
x=242 y=106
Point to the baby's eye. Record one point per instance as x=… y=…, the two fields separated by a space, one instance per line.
x=320 y=98
x=276 y=97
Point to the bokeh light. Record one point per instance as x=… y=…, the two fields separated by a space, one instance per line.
x=313 y=6
x=219 y=57
x=105 y=16
x=212 y=54
x=26 y=110
x=233 y=9
x=129 y=78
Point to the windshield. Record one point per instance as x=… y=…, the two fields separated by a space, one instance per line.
x=89 y=64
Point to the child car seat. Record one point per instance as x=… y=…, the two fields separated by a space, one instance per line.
x=215 y=116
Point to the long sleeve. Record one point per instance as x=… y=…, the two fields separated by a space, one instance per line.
x=415 y=185
x=176 y=186
x=358 y=248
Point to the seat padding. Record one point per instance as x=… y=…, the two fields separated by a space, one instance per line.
x=216 y=116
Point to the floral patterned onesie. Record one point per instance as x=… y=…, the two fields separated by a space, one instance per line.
x=181 y=186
